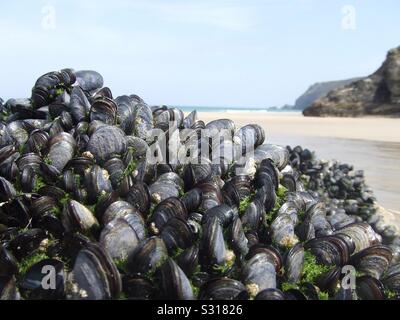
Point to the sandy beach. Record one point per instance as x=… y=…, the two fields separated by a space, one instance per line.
x=293 y=123
x=370 y=144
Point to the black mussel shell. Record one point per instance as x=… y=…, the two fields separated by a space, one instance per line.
x=26 y=242
x=8 y=263
x=223 y=213
x=137 y=288
x=8 y=288
x=188 y=260
x=223 y=289
x=192 y=199
x=95 y=275
x=373 y=260
x=148 y=256
x=165 y=210
x=369 y=288
x=44 y=280
x=177 y=234
x=173 y=282
x=270 y=294
x=238 y=239
x=294 y=261
x=139 y=197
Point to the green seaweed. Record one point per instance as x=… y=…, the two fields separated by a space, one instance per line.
x=281 y=193
x=28 y=262
x=311 y=269
x=390 y=294
x=130 y=168
x=47 y=160
x=244 y=203
x=121 y=264
x=323 y=295
x=39 y=184
x=122 y=296
x=288 y=286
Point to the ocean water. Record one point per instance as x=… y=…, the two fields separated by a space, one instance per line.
x=226 y=109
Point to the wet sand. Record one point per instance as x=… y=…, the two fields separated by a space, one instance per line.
x=370 y=144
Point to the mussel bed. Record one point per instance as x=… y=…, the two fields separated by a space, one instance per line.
x=85 y=214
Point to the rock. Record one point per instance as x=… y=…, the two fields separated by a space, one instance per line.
x=319 y=90
x=377 y=94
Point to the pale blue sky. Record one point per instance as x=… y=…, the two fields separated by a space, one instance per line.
x=183 y=52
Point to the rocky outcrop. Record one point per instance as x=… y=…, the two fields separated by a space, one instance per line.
x=377 y=94
x=319 y=90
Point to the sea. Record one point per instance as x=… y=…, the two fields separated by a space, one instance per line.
x=230 y=109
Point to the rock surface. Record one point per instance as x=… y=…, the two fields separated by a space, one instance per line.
x=377 y=94
x=320 y=90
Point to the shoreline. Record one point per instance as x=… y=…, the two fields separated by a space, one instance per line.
x=370 y=144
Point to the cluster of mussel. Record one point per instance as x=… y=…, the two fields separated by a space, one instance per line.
x=84 y=214
x=344 y=191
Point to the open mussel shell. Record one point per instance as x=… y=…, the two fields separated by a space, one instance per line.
x=223 y=289
x=15 y=213
x=173 y=282
x=373 y=260
x=44 y=280
x=94 y=276
x=148 y=256
x=26 y=242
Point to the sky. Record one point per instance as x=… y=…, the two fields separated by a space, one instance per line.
x=253 y=53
